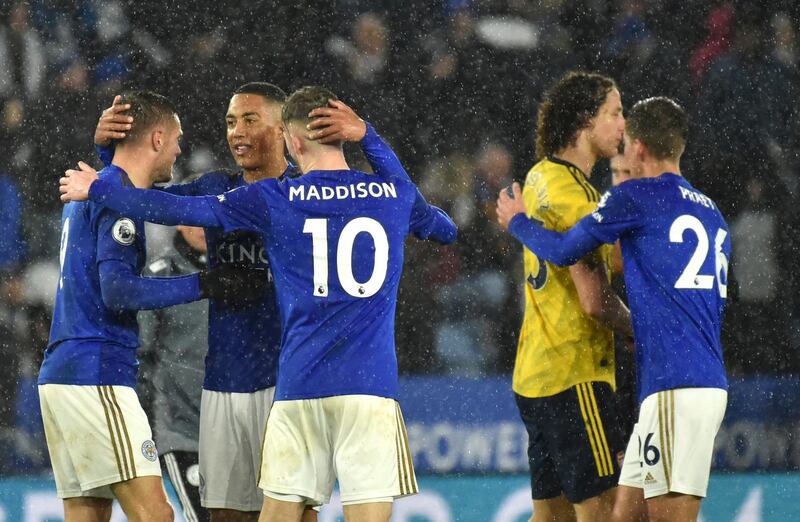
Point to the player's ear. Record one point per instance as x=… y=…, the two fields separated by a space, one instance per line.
x=640 y=150
x=157 y=140
x=297 y=144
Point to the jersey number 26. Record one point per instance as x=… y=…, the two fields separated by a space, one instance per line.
x=691 y=278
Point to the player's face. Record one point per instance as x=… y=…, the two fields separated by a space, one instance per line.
x=170 y=150
x=254 y=131
x=607 y=127
x=620 y=171
x=633 y=164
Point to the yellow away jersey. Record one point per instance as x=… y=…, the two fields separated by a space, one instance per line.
x=559 y=345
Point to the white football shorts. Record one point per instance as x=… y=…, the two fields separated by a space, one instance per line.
x=671 y=446
x=231 y=434
x=96 y=436
x=360 y=440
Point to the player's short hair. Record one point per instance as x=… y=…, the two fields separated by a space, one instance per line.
x=268 y=91
x=567 y=108
x=147 y=109
x=661 y=125
x=304 y=100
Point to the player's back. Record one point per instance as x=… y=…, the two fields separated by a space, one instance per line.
x=336 y=247
x=89 y=342
x=560 y=345
x=676 y=264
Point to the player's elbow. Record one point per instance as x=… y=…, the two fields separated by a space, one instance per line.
x=113 y=296
x=594 y=308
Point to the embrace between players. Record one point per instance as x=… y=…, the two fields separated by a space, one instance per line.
x=336 y=264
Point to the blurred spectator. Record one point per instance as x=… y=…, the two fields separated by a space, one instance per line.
x=759 y=315
x=12 y=246
x=717 y=42
x=22 y=55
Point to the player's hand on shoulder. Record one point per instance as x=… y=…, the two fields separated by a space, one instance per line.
x=74 y=186
x=232 y=285
x=509 y=204
x=113 y=123
x=337 y=122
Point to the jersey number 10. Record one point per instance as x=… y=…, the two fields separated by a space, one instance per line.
x=690 y=277
x=318 y=228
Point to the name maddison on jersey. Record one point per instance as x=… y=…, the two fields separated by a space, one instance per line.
x=357 y=191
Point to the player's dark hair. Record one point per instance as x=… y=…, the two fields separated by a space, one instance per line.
x=147 y=109
x=304 y=100
x=661 y=125
x=567 y=108
x=269 y=91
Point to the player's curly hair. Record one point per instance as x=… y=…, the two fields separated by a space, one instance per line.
x=567 y=108
x=147 y=109
x=304 y=100
x=661 y=125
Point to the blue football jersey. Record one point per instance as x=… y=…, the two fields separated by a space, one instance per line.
x=675 y=248
x=243 y=342
x=89 y=343
x=335 y=244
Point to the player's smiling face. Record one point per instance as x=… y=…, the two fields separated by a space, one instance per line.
x=607 y=127
x=172 y=136
x=254 y=131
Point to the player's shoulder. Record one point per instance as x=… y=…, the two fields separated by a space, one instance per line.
x=219 y=179
x=561 y=180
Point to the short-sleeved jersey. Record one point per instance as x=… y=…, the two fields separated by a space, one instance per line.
x=675 y=249
x=559 y=344
x=243 y=342
x=335 y=244
x=89 y=343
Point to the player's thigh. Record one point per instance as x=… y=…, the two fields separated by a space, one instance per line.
x=673 y=507
x=629 y=506
x=98 y=435
x=599 y=507
x=297 y=460
x=677 y=429
x=368 y=512
x=143 y=498
x=274 y=510
x=231 y=436
x=556 y=508
x=371 y=451
x=87 y=509
x=536 y=416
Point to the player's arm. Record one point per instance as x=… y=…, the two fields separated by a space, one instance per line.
x=338 y=123
x=240 y=209
x=123 y=289
x=431 y=222
x=605 y=225
x=598 y=300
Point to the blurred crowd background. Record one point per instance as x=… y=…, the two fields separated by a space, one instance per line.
x=453 y=85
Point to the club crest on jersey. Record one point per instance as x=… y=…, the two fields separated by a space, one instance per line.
x=149 y=450
x=124 y=231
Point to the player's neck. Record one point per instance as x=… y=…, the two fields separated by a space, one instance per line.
x=273 y=168
x=654 y=169
x=138 y=171
x=323 y=162
x=581 y=157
